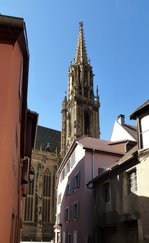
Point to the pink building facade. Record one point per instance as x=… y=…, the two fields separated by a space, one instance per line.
x=17 y=125
x=86 y=158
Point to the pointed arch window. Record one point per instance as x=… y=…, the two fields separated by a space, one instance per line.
x=46 y=196
x=86 y=122
x=29 y=202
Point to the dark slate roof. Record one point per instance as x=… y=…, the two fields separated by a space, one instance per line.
x=140 y=109
x=132 y=130
x=48 y=139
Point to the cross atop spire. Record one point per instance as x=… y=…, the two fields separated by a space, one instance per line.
x=81 y=53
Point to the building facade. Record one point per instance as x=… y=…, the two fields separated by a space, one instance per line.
x=39 y=205
x=84 y=160
x=121 y=194
x=80 y=109
x=17 y=125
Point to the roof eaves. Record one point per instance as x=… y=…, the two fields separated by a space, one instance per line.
x=143 y=108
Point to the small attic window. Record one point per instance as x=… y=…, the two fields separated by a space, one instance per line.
x=144 y=132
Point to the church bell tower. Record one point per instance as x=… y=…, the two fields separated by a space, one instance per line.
x=80 y=108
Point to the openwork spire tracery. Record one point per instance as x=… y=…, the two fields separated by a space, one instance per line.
x=81 y=53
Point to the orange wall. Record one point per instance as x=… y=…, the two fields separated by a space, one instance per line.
x=10 y=60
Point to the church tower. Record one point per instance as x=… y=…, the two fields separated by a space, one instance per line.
x=80 y=109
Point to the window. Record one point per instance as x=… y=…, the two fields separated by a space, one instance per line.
x=29 y=203
x=46 y=196
x=76 y=210
x=86 y=122
x=69 y=238
x=106 y=192
x=132 y=181
x=59 y=199
x=66 y=215
x=72 y=160
x=68 y=166
x=63 y=174
x=144 y=132
x=77 y=181
x=68 y=189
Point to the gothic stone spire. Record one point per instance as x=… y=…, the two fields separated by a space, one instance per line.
x=80 y=109
x=81 y=53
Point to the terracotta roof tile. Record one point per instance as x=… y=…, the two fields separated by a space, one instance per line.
x=101 y=145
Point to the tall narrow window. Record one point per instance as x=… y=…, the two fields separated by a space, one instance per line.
x=28 y=214
x=76 y=210
x=46 y=197
x=69 y=238
x=86 y=122
x=77 y=181
x=66 y=215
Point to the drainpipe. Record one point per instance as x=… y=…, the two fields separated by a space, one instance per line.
x=93 y=162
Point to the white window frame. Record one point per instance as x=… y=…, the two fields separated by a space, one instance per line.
x=132 y=180
x=144 y=132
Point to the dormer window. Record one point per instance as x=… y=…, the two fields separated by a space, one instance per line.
x=144 y=132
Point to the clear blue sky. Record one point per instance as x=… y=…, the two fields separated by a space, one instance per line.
x=117 y=41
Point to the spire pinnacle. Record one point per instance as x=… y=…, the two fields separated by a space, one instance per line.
x=81 y=53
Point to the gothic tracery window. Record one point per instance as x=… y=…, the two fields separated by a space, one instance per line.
x=46 y=196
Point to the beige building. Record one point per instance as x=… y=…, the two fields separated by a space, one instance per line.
x=121 y=195
x=39 y=206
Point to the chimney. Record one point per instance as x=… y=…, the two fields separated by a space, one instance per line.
x=121 y=119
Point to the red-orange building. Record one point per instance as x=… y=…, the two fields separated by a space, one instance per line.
x=17 y=125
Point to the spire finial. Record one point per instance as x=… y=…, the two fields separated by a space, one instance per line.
x=81 y=24
x=81 y=54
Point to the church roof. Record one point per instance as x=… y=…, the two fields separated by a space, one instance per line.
x=48 y=139
x=81 y=53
